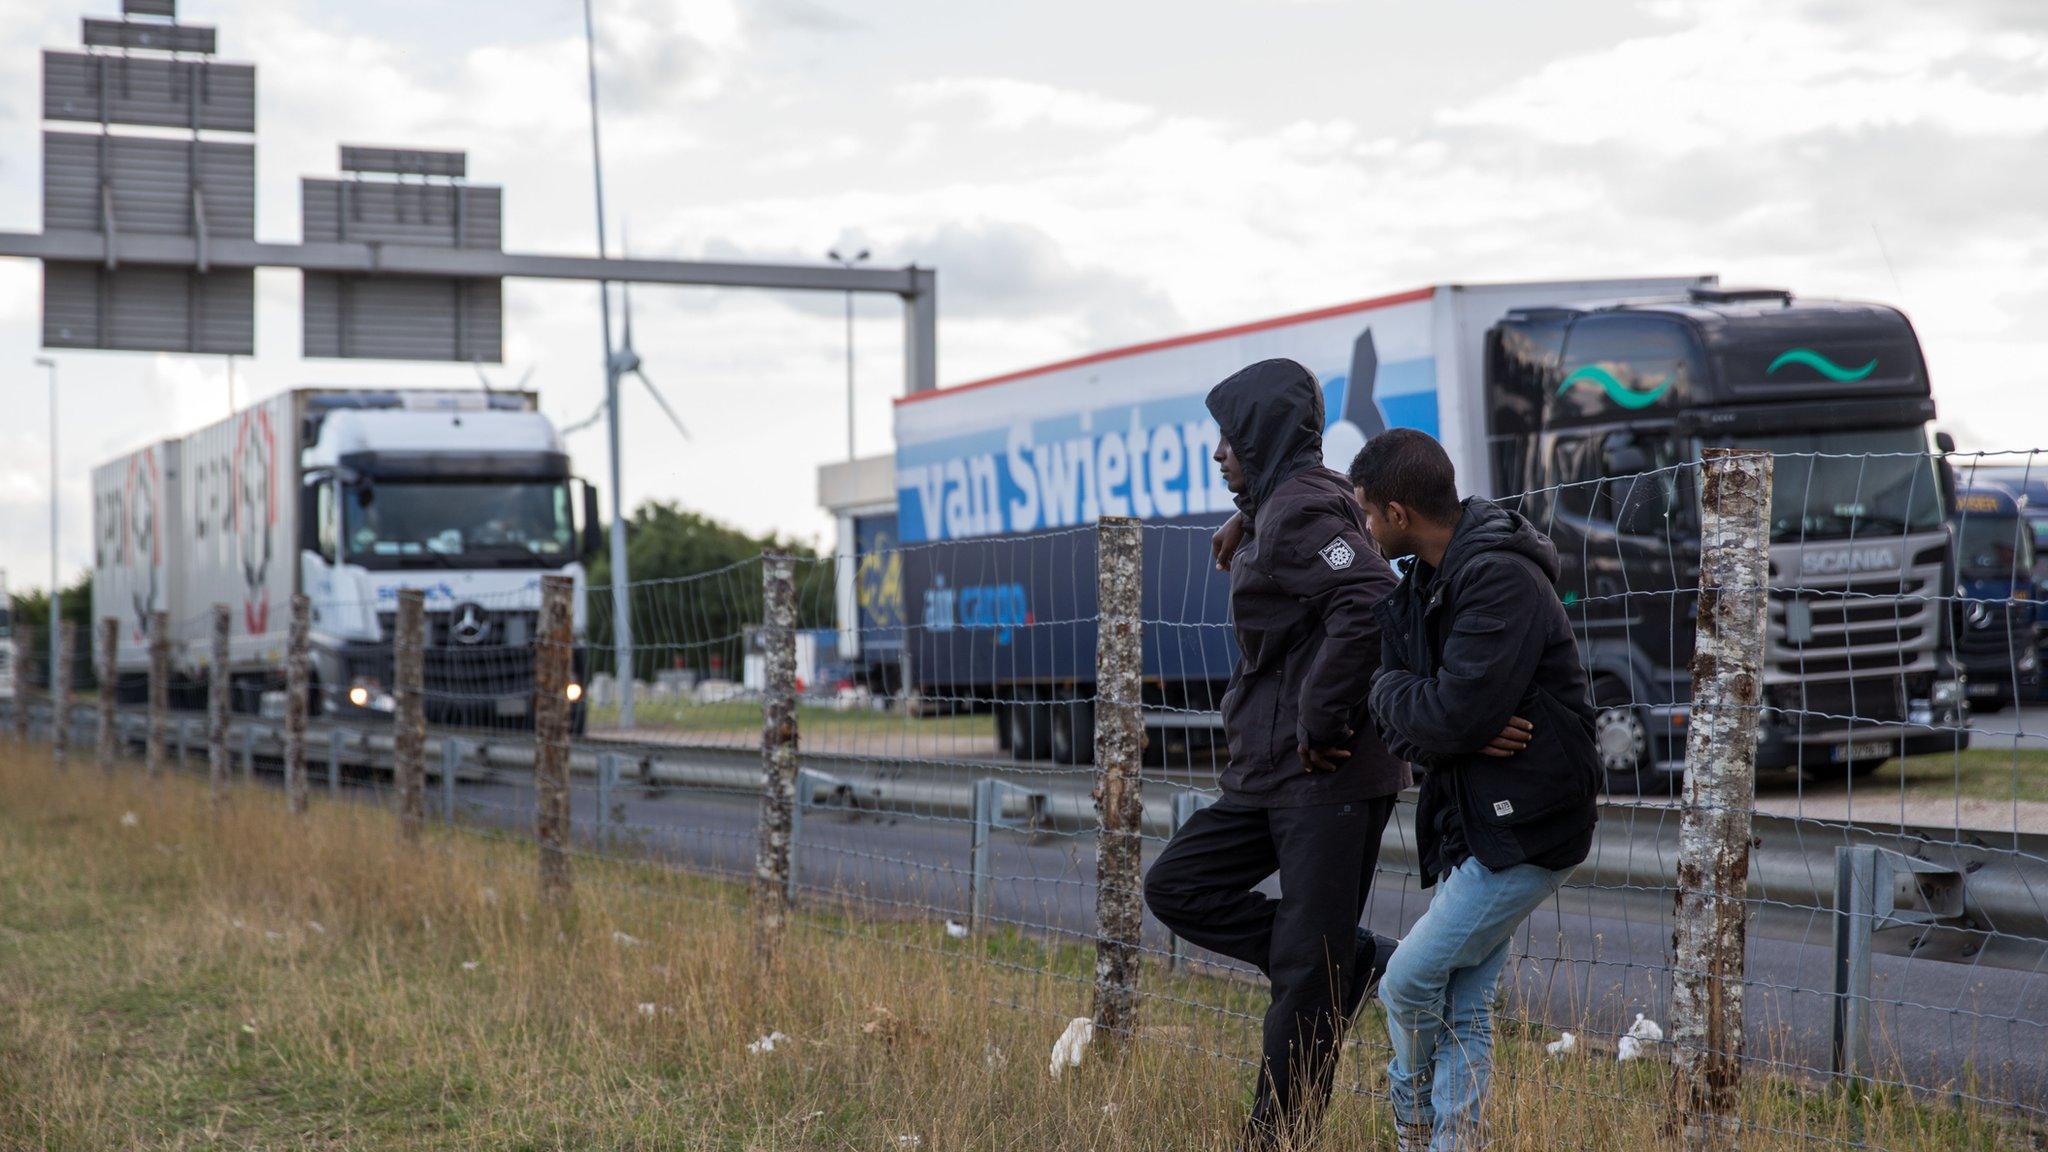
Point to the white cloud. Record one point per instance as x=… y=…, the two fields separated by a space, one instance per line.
x=1016 y=104
x=1744 y=71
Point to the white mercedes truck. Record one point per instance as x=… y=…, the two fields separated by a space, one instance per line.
x=348 y=496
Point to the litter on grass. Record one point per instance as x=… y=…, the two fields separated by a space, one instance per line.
x=1072 y=1045
x=625 y=941
x=1642 y=1035
x=766 y=1044
x=1565 y=1042
x=129 y=820
x=956 y=930
x=471 y=965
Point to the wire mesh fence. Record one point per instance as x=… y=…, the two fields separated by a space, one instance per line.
x=946 y=718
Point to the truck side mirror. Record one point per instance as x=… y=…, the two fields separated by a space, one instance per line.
x=1944 y=443
x=309 y=516
x=593 y=530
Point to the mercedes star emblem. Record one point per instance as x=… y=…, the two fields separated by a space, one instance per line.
x=466 y=624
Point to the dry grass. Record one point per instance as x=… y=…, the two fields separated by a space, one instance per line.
x=243 y=980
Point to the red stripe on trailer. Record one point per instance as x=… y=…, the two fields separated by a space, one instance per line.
x=1408 y=297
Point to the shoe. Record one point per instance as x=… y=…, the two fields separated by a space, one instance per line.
x=1368 y=964
x=1411 y=1137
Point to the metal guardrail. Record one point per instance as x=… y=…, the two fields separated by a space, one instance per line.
x=1993 y=910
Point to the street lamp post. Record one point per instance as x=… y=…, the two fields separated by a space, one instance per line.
x=848 y=262
x=56 y=589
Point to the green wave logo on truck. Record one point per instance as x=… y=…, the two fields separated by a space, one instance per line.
x=1622 y=394
x=1820 y=364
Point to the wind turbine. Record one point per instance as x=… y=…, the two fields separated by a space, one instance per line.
x=621 y=362
x=626 y=362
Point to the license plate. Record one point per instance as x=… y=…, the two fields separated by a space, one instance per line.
x=1861 y=750
x=511 y=705
x=1983 y=688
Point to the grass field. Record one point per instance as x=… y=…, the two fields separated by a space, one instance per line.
x=1982 y=773
x=242 y=978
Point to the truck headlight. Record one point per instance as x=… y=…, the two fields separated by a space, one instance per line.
x=365 y=692
x=1947 y=693
x=574 y=692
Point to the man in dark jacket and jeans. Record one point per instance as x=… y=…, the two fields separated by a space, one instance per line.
x=1480 y=684
x=1309 y=787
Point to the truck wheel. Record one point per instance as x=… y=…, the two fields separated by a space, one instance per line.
x=1073 y=732
x=1622 y=741
x=1030 y=730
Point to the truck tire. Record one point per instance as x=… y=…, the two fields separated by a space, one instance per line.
x=1073 y=732
x=1030 y=729
x=1621 y=738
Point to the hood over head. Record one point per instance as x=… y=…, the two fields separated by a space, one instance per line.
x=1271 y=412
x=1484 y=526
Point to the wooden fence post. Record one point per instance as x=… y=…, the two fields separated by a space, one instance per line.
x=60 y=692
x=409 y=717
x=110 y=688
x=217 y=687
x=778 y=753
x=1119 y=803
x=295 y=688
x=159 y=690
x=1720 y=788
x=552 y=665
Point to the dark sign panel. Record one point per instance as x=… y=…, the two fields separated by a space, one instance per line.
x=387 y=212
x=151 y=186
x=404 y=161
x=139 y=308
x=149 y=90
x=195 y=38
x=403 y=317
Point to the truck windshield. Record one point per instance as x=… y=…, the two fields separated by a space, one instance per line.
x=453 y=523
x=1832 y=485
x=1997 y=548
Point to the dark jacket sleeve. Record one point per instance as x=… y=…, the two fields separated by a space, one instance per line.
x=1489 y=659
x=1324 y=559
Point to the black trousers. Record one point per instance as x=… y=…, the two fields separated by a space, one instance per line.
x=1306 y=942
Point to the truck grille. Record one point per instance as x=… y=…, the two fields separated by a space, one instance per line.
x=1869 y=627
x=465 y=681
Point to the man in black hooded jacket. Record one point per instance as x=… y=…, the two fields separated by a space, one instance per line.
x=1309 y=786
x=1480 y=683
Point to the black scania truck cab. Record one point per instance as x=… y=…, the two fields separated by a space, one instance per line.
x=1597 y=415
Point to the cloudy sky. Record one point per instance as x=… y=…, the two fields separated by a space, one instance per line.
x=1085 y=175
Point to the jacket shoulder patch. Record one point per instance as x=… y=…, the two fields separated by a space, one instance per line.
x=1338 y=554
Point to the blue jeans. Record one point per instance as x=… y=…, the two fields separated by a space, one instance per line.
x=1439 y=996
